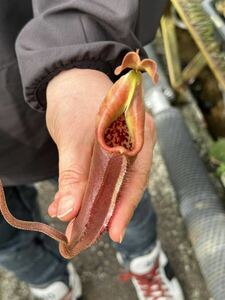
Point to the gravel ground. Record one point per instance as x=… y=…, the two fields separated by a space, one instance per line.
x=98 y=267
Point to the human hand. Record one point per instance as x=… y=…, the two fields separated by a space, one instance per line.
x=73 y=100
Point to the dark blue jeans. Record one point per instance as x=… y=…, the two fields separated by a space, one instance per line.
x=34 y=258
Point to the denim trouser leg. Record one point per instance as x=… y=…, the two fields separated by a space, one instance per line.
x=31 y=256
x=141 y=233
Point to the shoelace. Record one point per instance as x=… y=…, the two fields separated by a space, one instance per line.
x=150 y=283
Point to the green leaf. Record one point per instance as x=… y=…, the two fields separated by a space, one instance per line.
x=217 y=150
x=220 y=170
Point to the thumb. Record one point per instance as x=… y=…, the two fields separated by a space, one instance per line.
x=74 y=164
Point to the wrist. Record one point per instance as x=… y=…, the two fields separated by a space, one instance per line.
x=69 y=82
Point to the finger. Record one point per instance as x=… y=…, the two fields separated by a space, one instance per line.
x=74 y=163
x=135 y=183
x=52 y=209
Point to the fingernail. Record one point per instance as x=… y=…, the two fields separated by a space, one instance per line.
x=122 y=236
x=65 y=206
x=53 y=216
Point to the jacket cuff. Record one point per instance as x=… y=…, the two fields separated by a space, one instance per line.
x=68 y=34
x=36 y=92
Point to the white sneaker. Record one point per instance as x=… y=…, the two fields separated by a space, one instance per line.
x=59 y=290
x=152 y=277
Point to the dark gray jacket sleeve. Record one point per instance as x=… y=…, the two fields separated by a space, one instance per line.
x=73 y=33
